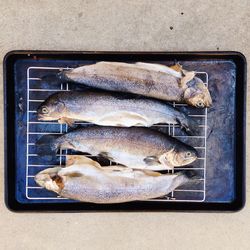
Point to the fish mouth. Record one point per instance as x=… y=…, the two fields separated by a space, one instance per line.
x=207 y=98
x=41 y=179
x=41 y=117
x=45 y=179
x=209 y=102
x=190 y=160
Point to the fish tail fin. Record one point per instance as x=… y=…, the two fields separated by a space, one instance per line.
x=190 y=174
x=185 y=177
x=179 y=179
x=47 y=145
x=62 y=76
x=50 y=79
x=191 y=177
x=190 y=125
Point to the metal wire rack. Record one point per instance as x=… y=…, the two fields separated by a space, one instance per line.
x=194 y=191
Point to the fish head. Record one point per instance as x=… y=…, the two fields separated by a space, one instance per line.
x=184 y=155
x=50 y=179
x=51 y=109
x=197 y=94
x=180 y=155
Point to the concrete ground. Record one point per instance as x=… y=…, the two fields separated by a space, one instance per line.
x=141 y=25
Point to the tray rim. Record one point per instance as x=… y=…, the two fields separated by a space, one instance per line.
x=138 y=206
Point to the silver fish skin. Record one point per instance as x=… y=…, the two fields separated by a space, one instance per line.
x=135 y=147
x=88 y=182
x=111 y=109
x=151 y=80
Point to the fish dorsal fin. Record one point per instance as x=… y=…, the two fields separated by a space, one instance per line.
x=160 y=68
x=80 y=160
x=80 y=165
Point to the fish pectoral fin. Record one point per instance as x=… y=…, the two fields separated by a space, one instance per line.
x=80 y=160
x=151 y=160
x=124 y=119
x=188 y=76
x=152 y=173
x=68 y=121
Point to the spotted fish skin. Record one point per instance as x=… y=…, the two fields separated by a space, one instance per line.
x=151 y=80
x=111 y=109
x=128 y=146
x=88 y=182
x=120 y=189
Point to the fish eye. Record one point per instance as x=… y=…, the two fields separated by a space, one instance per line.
x=200 y=104
x=188 y=154
x=44 y=110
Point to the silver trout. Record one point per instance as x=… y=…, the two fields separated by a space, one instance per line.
x=135 y=147
x=111 y=109
x=87 y=181
x=152 y=80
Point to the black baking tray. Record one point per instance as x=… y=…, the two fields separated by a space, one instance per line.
x=225 y=172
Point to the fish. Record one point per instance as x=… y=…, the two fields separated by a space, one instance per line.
x=136 y=147
x=86 y=181
x=112 y=109
x=146 y=79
